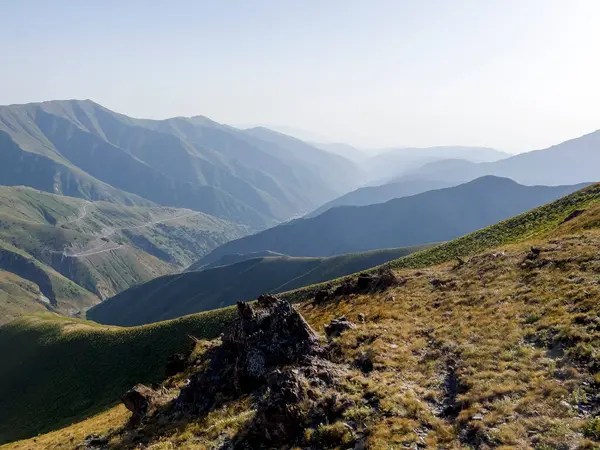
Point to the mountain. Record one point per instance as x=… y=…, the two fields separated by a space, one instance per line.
x=338 y=170
x=457 y=331
x=371 y=195
x=66 y=254
x=345 y=150
x=174 y=296
x=391 y=163
x=570 y=162
x=432 y=216
x=81 y=149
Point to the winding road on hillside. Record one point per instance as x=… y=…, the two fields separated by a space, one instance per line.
x=102 y=248
x=82 y=215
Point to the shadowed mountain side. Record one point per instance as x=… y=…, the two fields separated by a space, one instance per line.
x=433 y=216
x=177 y=295
x=372 y=195
x=233 y=259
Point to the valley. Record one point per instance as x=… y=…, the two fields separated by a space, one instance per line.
x=488 y=322
x=124 y=272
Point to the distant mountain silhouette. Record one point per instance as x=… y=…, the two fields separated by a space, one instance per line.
x=392 y=163
x=570 y=162
x=371 y=195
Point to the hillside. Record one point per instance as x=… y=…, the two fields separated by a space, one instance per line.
x=81 y=149
x=102 y=247
x=74 y=356
x=433 y=216
x=173 y=296
x=226 y=260
x=496 y=352
x=573 y=161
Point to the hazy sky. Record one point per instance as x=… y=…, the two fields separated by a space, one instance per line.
x=512 y=74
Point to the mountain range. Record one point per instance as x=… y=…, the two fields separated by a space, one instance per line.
x=81 y=149
x=569 y=162
x=432 y=216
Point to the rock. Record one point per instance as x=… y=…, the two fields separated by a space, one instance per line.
x=337 y=326
x=265 y=335
x=361 y=318
x=139 y=400
x=361 y=444
x=93 y=442
x=271 y=352
x=573 y=215
x=268 y=334
x=176 y=364
x=477 y=417
x=364 y=283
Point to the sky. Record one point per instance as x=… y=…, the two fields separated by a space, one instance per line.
x=515 y=75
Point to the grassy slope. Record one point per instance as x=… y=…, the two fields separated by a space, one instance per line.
x=18 y=296
x=89 y=366
x=176 y=295
x=409 y=321
x=42 y=225
x=25 y=279
x=488 y=330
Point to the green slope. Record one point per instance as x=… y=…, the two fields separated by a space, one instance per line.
x=176 y=295
x=103 y=247
x=84 y=360
x=29 y=286
x=88 y=365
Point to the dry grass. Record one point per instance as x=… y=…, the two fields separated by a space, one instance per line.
x=68 y=438
x=502 y=353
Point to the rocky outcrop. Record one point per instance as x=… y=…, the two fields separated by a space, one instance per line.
x=364 y=283
x=272 y=353
x=265 y=335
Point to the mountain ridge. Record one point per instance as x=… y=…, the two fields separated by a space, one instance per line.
x=432 y=216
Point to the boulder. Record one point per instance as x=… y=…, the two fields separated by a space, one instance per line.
x=139 y=400
x=337 y=326
x=267 y=334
